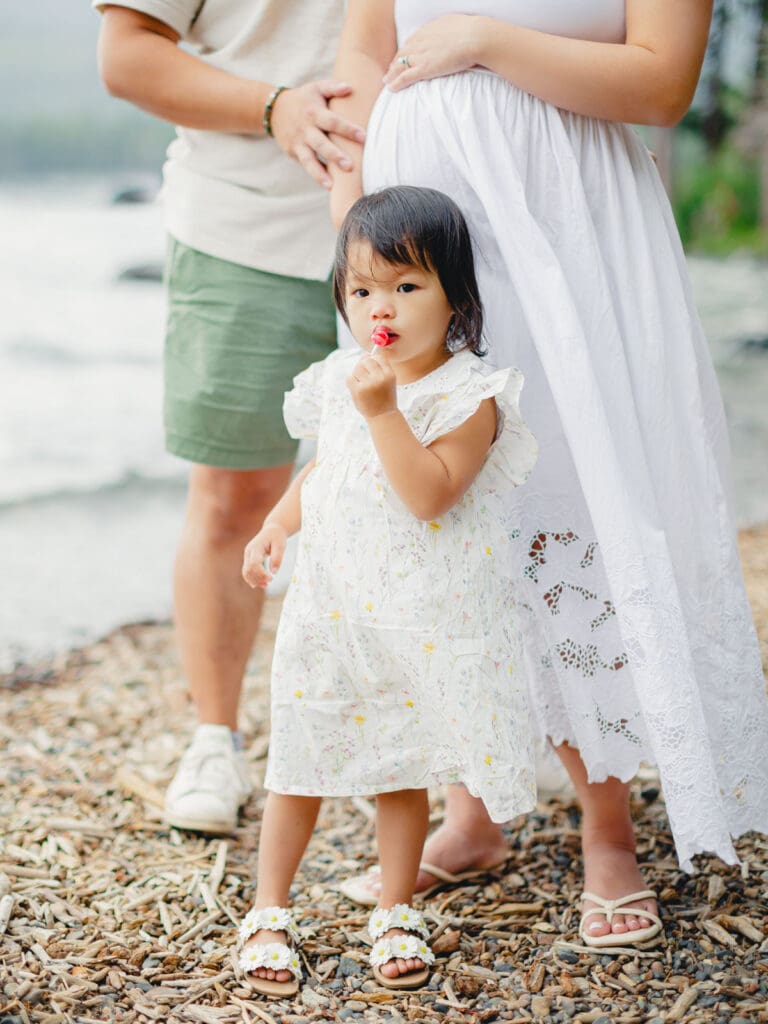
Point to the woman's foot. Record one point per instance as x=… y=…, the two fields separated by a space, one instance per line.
x=453 y=849
x=611 y=871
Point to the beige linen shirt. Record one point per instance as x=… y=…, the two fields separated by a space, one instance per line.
x=239 y=197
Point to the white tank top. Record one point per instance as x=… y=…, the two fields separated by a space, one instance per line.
x=599 y=20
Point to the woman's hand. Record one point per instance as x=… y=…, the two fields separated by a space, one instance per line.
x=441 y=47
x=269 y=541
x=301 y=123
x=373 y=387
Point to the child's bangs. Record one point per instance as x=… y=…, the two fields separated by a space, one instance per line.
x=398 y=249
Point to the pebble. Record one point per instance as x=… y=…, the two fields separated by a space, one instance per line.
x=568 y=1006
x=540 y=1006
x=312 y=999
x=567 y=956
x=348 y=967
x=355 y=1005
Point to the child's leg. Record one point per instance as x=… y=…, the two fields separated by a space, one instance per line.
x=402 y=820
x=286 y=829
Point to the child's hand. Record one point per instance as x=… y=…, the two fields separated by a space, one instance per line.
x=373 y=387
x=270 y=540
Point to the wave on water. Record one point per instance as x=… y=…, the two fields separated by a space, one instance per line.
x=23 y=350
x=128 y=482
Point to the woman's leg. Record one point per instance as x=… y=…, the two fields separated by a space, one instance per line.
x=286 y=829
x=608 y=847
x=466 y=840
x=402 y=820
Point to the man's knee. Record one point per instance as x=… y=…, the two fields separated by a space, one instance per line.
x=229 y=505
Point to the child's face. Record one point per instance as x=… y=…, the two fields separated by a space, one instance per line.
x=408 y=301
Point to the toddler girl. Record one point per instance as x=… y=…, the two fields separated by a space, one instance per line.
x=396 y=658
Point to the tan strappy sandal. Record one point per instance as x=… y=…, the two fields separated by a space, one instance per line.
x=609 y=908
x=357 y=888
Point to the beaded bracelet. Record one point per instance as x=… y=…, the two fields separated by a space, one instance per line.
x=267 y=119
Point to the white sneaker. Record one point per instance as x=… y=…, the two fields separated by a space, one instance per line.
x=211 y=783
x=552 y=780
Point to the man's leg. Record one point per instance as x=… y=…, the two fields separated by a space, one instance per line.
x=217 y=616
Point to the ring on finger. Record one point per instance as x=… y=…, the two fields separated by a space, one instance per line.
x=405 y=61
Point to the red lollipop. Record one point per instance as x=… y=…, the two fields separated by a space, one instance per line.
x=381 y=337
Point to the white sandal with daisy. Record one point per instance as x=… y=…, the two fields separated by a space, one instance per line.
x=275 y=956
x=412 y=945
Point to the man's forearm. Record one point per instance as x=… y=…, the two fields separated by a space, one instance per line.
x=146 y=67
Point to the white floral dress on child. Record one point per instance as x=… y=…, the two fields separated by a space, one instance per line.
x=397 y=657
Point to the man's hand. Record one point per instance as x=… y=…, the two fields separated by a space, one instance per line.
x=269 y=541
x=302 y=122
x=373 y=387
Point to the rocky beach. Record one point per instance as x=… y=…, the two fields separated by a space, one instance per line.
x=108 y=915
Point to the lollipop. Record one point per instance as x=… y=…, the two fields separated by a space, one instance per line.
x=381 y=337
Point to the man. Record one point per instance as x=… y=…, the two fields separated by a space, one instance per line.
x=250 y=252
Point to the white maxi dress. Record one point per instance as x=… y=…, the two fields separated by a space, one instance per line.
x=640 y=646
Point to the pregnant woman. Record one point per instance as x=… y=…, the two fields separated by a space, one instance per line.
x=640 y=645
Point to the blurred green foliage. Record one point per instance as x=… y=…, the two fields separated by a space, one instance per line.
x=716 y=202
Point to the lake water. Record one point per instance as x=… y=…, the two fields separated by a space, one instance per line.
x=90 y=504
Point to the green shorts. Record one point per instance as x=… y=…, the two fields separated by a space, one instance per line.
x=236 y=338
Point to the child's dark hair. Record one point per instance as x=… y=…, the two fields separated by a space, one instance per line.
x=418 y=227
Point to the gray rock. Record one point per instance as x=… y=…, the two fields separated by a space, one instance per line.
x=350 y=1013
x=348 y=967
x=313 y=999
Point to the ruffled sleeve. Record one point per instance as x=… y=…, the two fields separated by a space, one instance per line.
x=303 y=405
x=515 y=449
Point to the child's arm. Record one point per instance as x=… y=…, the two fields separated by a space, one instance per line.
x=283 y=521
x=367 y=45
x=648 y=79
x=428 y=481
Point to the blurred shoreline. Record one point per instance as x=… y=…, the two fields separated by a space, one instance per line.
x=91 y=506
x=158 y=634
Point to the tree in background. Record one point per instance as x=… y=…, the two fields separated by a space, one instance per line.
x=720 y=190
